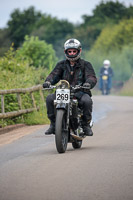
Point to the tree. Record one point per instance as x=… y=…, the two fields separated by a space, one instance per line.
x=115 y=37
x=21 y=24
x=5 y=42
x=87 y=35
x=111 y=10
x=55 y=33
x=108 y=12
x=33 y=23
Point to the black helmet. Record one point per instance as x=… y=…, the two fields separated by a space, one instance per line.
x=72 y=44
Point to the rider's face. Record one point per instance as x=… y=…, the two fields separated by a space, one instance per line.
x=106 y=66
x=72 y=51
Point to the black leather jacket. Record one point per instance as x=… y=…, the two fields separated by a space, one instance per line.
x=81 y=73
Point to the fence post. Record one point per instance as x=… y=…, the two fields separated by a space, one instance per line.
x=19 y=101
x=2 y=104
x=20 y=104
x=33 y=100
x=41 y=94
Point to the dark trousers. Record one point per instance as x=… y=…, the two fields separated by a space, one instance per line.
x=85 y=102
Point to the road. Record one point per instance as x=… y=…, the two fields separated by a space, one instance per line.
x=31 y=168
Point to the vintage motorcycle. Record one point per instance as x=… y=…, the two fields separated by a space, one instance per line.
x=68 y=123
x=105 y=83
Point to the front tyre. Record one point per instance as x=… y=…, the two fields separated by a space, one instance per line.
x=104 y=90
x=61 y=134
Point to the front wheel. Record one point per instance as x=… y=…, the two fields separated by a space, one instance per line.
x=61 y=134
x=104 y=89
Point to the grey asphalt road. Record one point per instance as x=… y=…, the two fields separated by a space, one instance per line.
x=31 y=168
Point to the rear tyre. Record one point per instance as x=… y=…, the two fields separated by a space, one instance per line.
x=61 y=134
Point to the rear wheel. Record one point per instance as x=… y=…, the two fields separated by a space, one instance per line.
x=61 y=134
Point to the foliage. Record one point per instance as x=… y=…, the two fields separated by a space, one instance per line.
x=39 y=117
x=38 y=52
x=127 y=89
x=119 y=63
x=116 y=44
x=35 y=23
x=111 y=10
x=17 y=73
x=115 y=37
x=22 y=23
x=54 y=33
x=4 y=41
x=87 y=35
x=108 y=12
x=56 y=30
x=127 y=51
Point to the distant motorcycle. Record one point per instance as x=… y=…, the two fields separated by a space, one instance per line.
x=68 y=123
x=105 y=83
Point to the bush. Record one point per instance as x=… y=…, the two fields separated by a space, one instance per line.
x=38 y=52
x=18 y=73
x=127 y=89
x=115 y=37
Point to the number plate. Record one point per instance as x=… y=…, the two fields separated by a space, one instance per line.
x=62 y=95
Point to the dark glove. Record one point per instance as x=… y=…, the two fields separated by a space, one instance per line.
x=87 y=85
x=46 y=84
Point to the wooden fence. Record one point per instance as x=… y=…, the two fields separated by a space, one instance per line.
x=18 y=92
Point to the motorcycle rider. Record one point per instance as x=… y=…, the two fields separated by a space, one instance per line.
x=77 y=72
x=106 y=70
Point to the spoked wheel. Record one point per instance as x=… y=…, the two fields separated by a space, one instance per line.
x=61 y=135
x=77 y=144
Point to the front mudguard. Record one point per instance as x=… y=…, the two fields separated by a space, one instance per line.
x=61 y=106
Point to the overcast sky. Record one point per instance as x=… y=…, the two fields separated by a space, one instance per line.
x=72 y=10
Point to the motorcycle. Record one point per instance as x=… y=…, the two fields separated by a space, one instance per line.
x=105 y=83
x=68 y=123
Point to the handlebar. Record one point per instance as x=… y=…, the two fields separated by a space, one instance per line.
x=74 y=88
x=78 y=87
x=50 y=87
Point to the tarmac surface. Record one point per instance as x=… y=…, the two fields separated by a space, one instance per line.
x=31 y=168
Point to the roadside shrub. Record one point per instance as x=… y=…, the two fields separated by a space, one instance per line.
x=38 y=52
x=18 y=73
x=127 y=89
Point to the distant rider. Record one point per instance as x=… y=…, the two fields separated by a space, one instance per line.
x=106 y=70
x=77 y=72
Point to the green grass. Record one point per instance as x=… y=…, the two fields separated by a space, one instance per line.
x=37 y=117
x=127 y=89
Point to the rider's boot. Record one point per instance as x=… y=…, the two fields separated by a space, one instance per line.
x=51 y=129
x=87 y=129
